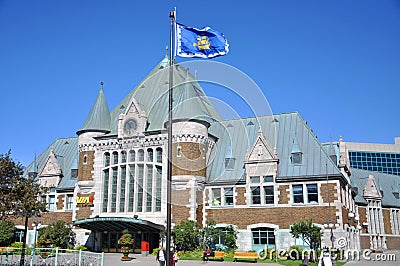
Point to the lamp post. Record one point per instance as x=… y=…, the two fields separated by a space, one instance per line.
x=36 y=225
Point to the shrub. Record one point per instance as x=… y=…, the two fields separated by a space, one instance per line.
x=83 y=248
x=295 y=253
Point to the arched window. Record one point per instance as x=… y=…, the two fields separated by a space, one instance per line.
x=85 y=159
x=159 y=155
x=140 y=155
x=115 y=157
x=106 y=159
x=123 y=157
x=132 y=155
x=149 y=155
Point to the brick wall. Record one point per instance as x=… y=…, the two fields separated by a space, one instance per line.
x=393 y=242
x=180 y=198
x=192 y=160
x=46 y=218
x=284 y=194
x=85 y=170
x=199 y=211
x=240 y=198
x=60 y=202
x=284 y=216
x=332 y=192
x=365 y=242
x=362 y=211
x=386 y=221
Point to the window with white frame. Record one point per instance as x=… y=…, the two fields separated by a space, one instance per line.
x=222 y=196
x=305 y=193
x=262 y=190
x=52 y=202
x=263 y=236
x=70 y=202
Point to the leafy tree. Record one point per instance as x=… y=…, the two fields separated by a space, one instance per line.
x=59 y=234
x=186 y=235
x=7 y=231
x=19 y=194
x=212 y=234
x=310 y=233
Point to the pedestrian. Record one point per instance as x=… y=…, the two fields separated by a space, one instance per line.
x=176 y=257
x=161 y=256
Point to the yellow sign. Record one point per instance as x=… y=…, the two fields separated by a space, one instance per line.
x=83 y=200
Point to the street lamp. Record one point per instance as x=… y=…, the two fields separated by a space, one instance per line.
x=36 y=225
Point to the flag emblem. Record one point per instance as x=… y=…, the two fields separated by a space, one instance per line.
x=205 y=43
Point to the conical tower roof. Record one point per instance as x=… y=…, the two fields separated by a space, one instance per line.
x=189 y=99
x=98 y=119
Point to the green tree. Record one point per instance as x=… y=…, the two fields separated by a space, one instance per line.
x=212 y=235
x=309 y=233
x=59 y=234
x=19 y=194
x=7 y=231
x=186 y=235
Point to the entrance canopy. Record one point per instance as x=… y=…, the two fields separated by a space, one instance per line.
x=118 y=224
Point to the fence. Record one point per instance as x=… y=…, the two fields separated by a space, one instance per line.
x=50 y=257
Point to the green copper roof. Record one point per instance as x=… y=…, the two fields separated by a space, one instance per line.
x=236 y=137
x=189 y=100
x=98 y=119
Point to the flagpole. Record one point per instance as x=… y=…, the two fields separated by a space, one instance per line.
x=169 y=161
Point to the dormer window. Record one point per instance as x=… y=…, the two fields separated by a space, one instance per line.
x=296 y=158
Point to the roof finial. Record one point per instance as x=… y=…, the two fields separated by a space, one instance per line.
x=166 y=51
x=101 y=85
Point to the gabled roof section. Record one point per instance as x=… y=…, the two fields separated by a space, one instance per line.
x=371 y=189
x=98 y=119
x=384 y=182
x=51 y=167
x=261 y=151
x=279 y=131
x=189 y=99
x=66 y=153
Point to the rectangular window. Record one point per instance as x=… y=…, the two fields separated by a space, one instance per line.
x=255 y=195
x=52 y=201
x=115 y=157
x=149 y=188
x=269 y=194
x=139 y=206
x=131 y=188
x=122 y=190
x=263 y=236
x=268 y=179
x=114 y=190
x=255 y=179
x=216 y=193
x=312 y=193
x=158 y=187
x=228 y=192
x=105 y=190
x=298 y=194
x=70 y=202
x=159 y=155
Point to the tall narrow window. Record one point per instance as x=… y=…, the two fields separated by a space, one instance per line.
x=132 y=155
x=178 y=151
x=85 y=159
x=269 y=194
x=123 y=157
x=158 y=188
x=312 y=193
x=114 y=190
x=298 y=194
x=106 y=181
x=149 y=188
x=52 y=201
x=131 y=188
x=106 y=159
x=115 y=157
x=139 y=206
x=216 y=194
x=140 y=155
x=255 y=195
x=228 y=199
x=70 y=202
x=159 y=155
x=122 y=189
x=149 y=155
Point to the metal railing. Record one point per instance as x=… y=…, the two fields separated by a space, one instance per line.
x=50 y=257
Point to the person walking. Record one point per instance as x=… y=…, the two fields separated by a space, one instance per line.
x=161 y=256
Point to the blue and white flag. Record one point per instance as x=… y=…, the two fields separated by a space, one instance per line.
x=205 y=43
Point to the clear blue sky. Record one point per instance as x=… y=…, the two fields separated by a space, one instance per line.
x=335 y=62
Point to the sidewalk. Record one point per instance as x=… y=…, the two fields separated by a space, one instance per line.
x=114 y=259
